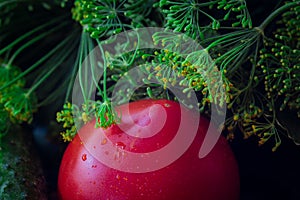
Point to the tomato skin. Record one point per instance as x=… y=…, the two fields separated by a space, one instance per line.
x=214 y=177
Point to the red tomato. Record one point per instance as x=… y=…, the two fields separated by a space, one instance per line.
x=86 y=173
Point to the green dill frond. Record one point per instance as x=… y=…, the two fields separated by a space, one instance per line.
x=19 y=104
x=239 y=9
x=265 y=128
x=186 y=16
x=9 y=72
x=102 y=19
x=141 y=13
x=66 y=116
x=257 y=67
x=31 y=80
x=230 y=50
x=279 y=61
x=195 y=18
x=105 y=114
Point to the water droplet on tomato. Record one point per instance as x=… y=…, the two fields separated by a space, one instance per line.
x=121 y=145
x=118 y=176
x=167 y=105
x=83 y=157
x=104 y=141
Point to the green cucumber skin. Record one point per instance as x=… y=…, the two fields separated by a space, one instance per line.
x=21 y=175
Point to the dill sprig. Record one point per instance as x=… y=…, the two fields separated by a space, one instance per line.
x=104 y=18
x=195 y=18
x=257 y=65
x=237 y=53
x=279 y=61
x=27 y=83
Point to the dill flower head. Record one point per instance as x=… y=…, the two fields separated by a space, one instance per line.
x=109 y=17
x=19 y=104
x=9 y=72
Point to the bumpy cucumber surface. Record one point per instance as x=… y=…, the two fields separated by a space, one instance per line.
x=21 y=175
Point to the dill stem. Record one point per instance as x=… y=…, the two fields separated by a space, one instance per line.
x=62 y=57
x=31 y=42
x=35 y=65
x=105 y=99
x=93 y=64
x=29 y=33
x=136 y=50
x=80 y=60
x=274 y=14
x=225 y=39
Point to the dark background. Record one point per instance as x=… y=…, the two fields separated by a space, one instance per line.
x=268 y=175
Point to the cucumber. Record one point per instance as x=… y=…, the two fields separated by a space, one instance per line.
x=21 y=175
